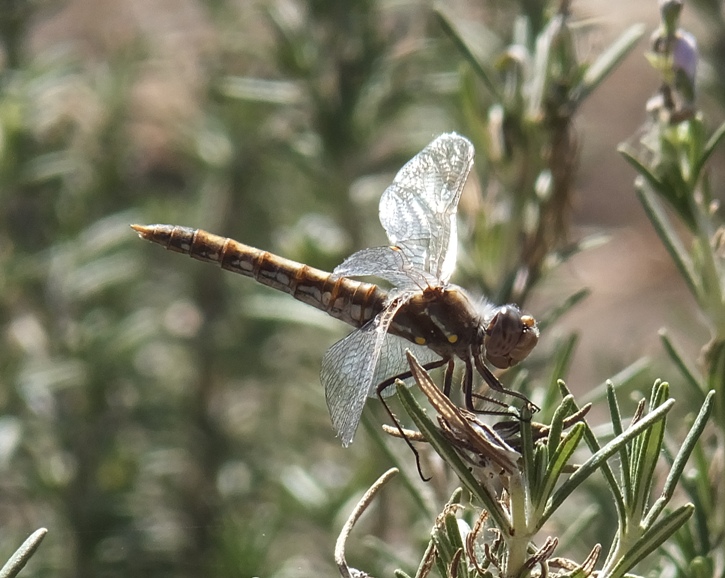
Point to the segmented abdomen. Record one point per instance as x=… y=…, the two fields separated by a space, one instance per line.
x=351 y=301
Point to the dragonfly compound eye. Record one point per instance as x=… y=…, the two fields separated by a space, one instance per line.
x=510 y=337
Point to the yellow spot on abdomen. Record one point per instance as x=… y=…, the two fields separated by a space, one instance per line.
x=420 y=340
x=452 y=338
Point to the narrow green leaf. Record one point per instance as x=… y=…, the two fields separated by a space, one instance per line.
x=621 y=379
x=540 y=68
x=614 y=412
x=700 y=567
x=716 y=375
x=453 y=532
x=625 y=467
x=644 y=463
x=711 y=275
x=594 y=447
x=680 y=461
x=600 y=457
x=609 y=59
x=652 y=539
x=710 y=147
x=553 y=315
x=440 y=564
x=560 y=367
x=669 y=239
x=455 y=497
x=696 y=394
x=702 y=493
x=630 y=156
x=451 y=30
x=443 y=448
x=443 y=545
x=446 y=536
x=557 y=462
x=541 y=462
x=453 y=536
x=557 y=423
x=527 y=452
x=21 y=556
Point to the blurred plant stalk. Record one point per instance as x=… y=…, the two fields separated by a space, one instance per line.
x=519 y=113
x=670 y=154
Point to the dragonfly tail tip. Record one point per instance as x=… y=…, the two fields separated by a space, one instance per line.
x=142 y=230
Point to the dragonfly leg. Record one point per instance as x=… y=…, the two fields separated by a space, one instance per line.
x=383 y=385
x=448 y=380
x=470 y=395
x=491 y=400
x=493 y=382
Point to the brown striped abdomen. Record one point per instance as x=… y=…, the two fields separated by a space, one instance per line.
x=351 y=301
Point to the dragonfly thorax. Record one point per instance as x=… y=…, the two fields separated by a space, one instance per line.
x=445 y=319
x=442 y=318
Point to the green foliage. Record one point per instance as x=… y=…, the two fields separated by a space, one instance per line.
x=533 y=489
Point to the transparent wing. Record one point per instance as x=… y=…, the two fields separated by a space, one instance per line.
x=392 y=362
x=348 y=369
x=418 y=211
x=389 y=263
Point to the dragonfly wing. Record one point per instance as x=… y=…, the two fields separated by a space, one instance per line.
x=348 y=369
x=393 y=362
x=389 y=263
x=418 y=210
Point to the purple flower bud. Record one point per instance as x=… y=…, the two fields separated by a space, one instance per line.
x=685 y=54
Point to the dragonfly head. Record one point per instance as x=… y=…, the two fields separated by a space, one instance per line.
x=510 y=336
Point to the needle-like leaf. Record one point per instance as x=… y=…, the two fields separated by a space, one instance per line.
x=644 y=462
x=669 y=239
x=696 y=394
x=618 y=381
x=560 y=459
x=21 y=556
x=624 y=453
x=560 y=366
x=683 y=455
x=600 y=457
x=595 y=447
x=710 y=146
x=451 y=30
x=609 y=60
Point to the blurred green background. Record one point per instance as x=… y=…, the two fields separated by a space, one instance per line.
x=165 y=418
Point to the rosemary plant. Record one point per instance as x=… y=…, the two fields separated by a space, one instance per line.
x=517 y=480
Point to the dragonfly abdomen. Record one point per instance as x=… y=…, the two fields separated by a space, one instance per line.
x=351 y=301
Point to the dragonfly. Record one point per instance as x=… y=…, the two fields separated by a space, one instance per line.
x=438 y=322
